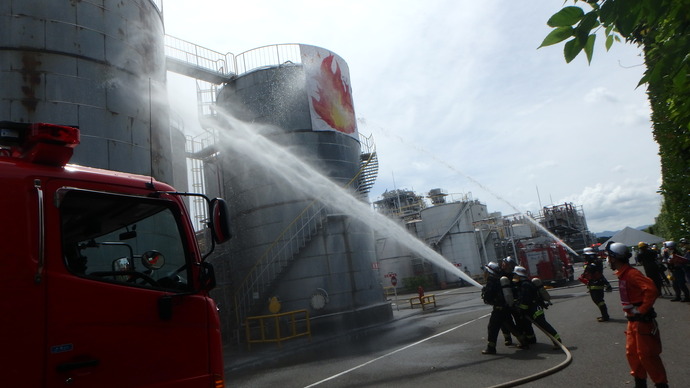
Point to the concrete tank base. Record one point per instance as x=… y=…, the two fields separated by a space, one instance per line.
x=345 y=321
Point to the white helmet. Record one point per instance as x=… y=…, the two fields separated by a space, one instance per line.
x=492 y=268
x=670 y=244
x=508 y=263
x=520 y=271
x=618 y=251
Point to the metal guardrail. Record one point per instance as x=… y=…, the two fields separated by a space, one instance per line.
x=226 y=64
x=271 y=55
x=198 y=56
x=267 y=328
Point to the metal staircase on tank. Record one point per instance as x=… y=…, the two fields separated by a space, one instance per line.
x=261 y=279
x=200 y=149
x=369 y=166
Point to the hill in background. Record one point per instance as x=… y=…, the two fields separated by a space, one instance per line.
x=609 y=233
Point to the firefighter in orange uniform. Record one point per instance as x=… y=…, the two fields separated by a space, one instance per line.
x=643 y=343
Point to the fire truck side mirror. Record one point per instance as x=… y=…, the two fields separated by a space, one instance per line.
x=220 y=220
x=208 y=276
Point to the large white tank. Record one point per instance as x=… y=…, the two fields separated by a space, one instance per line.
x=330 y=270
x=99 y=65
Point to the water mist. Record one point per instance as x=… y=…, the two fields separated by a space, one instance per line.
x=246 y=140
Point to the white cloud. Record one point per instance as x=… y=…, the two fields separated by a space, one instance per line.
x=600 y=94
x=613 y=206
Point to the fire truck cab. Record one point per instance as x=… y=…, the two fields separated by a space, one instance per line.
x=546 y=260
x=103 y=283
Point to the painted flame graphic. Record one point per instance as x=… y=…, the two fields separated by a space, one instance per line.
x=334 y=105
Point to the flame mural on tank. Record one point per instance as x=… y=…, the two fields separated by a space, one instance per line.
x=329 y=91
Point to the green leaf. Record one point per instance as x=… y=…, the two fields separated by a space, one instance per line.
x=557 y=35
x=681 y=77
x=609 y=42
x=567 y=16
x=589 y=21
x=608 y=29
x=584 y=28
x=572 y=48
x=589 y=47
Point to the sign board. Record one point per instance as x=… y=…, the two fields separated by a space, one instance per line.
x=394 y=281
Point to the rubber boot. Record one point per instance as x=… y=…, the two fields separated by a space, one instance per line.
x=490 y=349
x=640 y=383
x=508 y=340
x=661 y=385
x=524 y=344
x=604 y=313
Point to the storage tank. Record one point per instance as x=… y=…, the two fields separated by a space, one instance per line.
x=449 y=229
x=99 y=65
x=329 y=260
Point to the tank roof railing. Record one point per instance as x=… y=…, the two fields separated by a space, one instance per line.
x=195 y=61
x=199 y=62
x=268 y=56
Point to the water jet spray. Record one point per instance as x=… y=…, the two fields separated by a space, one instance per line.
x=480 y=185
x=289 y=169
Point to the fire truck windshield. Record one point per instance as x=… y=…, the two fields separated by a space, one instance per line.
x=128 y=240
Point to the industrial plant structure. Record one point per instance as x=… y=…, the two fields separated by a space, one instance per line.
x=448 y=227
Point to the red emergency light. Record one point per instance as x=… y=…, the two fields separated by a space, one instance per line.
x=38 y=142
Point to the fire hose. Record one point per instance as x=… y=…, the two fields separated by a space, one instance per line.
x=544 y=373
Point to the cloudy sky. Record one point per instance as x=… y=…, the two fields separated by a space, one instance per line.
x=458 y=97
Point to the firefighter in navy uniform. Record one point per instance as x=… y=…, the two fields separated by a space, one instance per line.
x=532 y=305
x=648 y=258
x=642 y=339
x=507 y=265
x=492 y=293
x=593 y=277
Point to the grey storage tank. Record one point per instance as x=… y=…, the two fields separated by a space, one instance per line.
x=287 y=245
x=99 y=65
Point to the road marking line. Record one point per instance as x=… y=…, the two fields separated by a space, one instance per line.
x=395 y=351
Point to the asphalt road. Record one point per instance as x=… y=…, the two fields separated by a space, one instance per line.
x=442 y=347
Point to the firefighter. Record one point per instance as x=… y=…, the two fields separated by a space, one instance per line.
x=648 y=258
x=676 y=265
x=507 y=265
x=600 y=256
x=501 y=318
x=593 y=277
x=642 y=340
x=532 y=306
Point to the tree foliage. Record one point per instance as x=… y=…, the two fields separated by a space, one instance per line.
x=662 y=29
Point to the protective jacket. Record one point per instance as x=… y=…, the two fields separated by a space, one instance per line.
x=648 y=259
x=637 y=291
x=594 y=275
x=643 y=342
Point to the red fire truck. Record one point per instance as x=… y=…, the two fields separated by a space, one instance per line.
x=546 y=260
x=103 y=281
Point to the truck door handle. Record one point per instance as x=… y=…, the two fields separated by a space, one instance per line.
x=68 y=366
